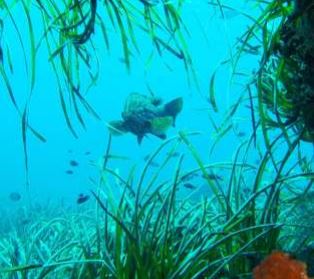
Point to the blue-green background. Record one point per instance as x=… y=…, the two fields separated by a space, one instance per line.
x=211 y=40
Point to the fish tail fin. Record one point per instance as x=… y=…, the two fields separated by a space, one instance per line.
x=173 y=108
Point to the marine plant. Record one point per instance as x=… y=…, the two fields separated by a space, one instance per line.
x=279 y=95
x=283 y=81
x=144 y=228
x=285 y=78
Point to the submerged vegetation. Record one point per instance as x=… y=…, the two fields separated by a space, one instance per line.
x=144 y=228
x=146 y=225
x=285 y=79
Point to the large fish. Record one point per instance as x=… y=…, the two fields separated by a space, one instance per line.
x=146 y=115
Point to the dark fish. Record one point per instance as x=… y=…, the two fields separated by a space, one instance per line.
x=116 y=157
x=189 y=186
x=241 y=134
x=15 y=196
x=255 y=50
x=173 y=154
x=212 y=176
x=74 y=163
x=229 y=14
x=246 y=190
x=248 y=48
x=25 y=221
x=144 y=115
x=69 y=172
x=146 y=157
x=82 y=198
x=257 y=161
x=122 y=60
x=87 y=153
x=154 y=164
x=70 y=151
x=189 y=176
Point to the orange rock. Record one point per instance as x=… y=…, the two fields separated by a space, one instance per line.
x=280 y=266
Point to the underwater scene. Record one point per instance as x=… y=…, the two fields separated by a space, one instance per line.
x=166 y=139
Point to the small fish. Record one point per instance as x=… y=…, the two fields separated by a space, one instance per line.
x=173 y=154
x=70 y=151
x=122 y=60
x=82 y=198
x=212 y=176
x=116 y=157
x=241 y=134
x=25 y=221
x=69 y=172
x=146 y=157
x=229 y=14
x=87 y=153
x=255 y=50
x=257 y=161
x=248 y=48
x=152 y=163
x=189 y=186
x=74 y=163
x=15 y=196
x=246 y=190
x=189 y=176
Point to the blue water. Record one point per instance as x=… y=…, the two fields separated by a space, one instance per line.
x=211 y=40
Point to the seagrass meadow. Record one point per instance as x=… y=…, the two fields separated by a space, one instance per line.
x=156 y=139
